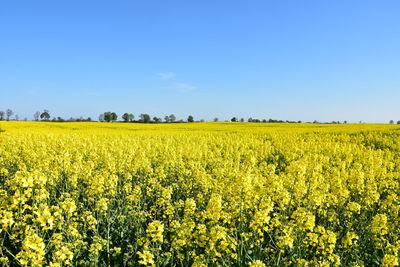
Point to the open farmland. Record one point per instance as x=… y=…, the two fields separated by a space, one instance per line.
x=199 y=194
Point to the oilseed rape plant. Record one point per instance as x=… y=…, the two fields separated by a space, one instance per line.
x=199 y=194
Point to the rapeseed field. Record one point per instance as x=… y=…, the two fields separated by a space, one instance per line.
x=199 y=194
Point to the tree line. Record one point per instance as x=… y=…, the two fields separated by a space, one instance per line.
x=39 y=116
x=143 y=118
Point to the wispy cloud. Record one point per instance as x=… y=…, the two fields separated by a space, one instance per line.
x=184 y=87
x=174 y=85
x=166 y=75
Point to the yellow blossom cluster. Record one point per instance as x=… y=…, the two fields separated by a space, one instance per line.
x=199 y=194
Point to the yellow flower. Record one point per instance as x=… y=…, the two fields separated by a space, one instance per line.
x=303 y=220
x=257 y=263
x=390 y=260
x=214 y=207
x=6 y=219
x=32 y=252
x=116 y=251
x=349 y=239
x=63 y=255
x=354 y=207
x=379 y=225
x=146 y=258
x=155 y=231
x=206 y=193
x=44 y=217
x=68 y=206
x=4 y=261
x=190 y=207
x=102 y=205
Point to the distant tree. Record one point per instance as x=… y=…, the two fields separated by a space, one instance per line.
x=114 y=116
x=128 y=117
x=172 y=118
x=2 y=115
x=125 y=117
x=242 y=120
x=45 y=116
x=299 y=122
x=190 y=118
x=59 y=119
x=17 y=117
x=264 y=120
x=315 y=121
x=107 y=116
x=9 y=113
x=398 y=122
x=391 y=122
x=80 y=119
x=250 y=120
x=110 y=116
x=36 y=116
x=345 y=122
x=156 y=119
x=234 y=119
x=145 y=118
x=216 y=119
x=202 y=120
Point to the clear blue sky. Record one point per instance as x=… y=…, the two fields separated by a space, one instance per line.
x=291 y=60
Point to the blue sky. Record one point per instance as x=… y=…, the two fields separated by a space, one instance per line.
x=291 y=60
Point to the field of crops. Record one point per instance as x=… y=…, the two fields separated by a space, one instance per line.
x=199 y=194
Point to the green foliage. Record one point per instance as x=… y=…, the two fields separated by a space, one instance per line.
x=145 y=118
x=45 y=116
x=110 y=116
x=9 y=113
x=128 y=117
x=170 y=118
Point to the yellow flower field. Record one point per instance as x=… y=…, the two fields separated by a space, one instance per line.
x=199 y=194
